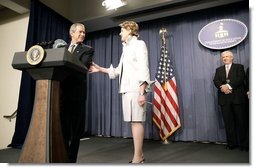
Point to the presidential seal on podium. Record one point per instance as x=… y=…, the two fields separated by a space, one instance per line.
x=35 y=55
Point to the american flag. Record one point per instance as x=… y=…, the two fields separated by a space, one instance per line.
x=166 y=109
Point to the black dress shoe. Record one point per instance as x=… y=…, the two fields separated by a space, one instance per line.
x=230 y=147
x=246 y=149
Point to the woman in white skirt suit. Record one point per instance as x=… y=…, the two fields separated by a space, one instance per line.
x=134 y=80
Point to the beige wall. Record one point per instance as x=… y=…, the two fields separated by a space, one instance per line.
x=12 y=39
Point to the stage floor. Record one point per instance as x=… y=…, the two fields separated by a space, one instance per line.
x=100 y=150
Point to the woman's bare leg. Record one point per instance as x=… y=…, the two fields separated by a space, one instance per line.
x=138 y=137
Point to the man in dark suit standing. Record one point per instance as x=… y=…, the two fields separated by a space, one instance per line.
x=229 y=79
x=73 y=93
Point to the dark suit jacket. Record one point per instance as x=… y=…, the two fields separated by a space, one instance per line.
x=84 y=54
x=73 y=87
x=236 y=79
x=75 y=84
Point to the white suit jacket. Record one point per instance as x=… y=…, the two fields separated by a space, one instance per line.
x=133 y=67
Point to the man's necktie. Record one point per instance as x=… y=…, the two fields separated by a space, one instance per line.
x=227 y=70
x=71 y=48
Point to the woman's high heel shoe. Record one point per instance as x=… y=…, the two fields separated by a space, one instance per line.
x=142 y=161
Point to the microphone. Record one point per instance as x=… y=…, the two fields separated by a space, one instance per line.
x=59 y=43
x=45 y=43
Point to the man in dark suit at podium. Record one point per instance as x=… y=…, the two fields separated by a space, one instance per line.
x=73 y=93
x=229 y=79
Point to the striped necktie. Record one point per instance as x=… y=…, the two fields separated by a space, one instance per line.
x=71 y=48
x=227 y=70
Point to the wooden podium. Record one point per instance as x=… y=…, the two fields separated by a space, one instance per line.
x=44 y=142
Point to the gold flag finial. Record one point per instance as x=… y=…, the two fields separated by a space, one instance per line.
x=163 y=34
x=163 y=31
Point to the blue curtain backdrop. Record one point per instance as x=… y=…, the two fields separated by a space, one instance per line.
x=44 y=25
x=194 y=67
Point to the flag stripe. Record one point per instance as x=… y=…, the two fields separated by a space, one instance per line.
x=168 y=110
x=158 y=120
x=173 y=102
x=166 y=116
x=160 y=112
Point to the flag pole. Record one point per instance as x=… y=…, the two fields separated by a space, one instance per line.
x=163 y=32
x=166 y=142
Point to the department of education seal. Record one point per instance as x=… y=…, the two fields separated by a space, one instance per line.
x=35 y=55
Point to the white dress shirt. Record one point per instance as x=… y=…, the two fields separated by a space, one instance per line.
x=72 y=47
x=228 y=66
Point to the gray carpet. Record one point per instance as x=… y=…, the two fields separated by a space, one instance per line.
x=119 y=151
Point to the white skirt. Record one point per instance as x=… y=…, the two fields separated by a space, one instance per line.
x=132 y=111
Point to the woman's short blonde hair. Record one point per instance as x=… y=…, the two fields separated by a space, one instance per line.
x=133 y=26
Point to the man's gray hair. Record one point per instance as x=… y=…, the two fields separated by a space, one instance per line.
x=228 y=52
x=74 y=27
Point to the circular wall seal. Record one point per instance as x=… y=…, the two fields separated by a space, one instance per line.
x=223 y=34
x=35 y=55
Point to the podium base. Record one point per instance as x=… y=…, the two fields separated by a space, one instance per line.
x=44 y=141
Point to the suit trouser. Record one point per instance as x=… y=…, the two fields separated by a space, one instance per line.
x=236 y=124
x=73 y=128
x=73 y=106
